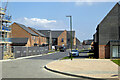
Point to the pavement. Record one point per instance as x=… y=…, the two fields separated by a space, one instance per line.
x=86 y=68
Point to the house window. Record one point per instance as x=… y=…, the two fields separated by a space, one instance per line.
x=62 y=40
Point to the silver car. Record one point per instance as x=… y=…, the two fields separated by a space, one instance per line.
x=74 y=53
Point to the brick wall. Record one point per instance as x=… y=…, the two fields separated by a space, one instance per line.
x=42 y=40
x=102 y=51
x=107 y=51
x=64 y=36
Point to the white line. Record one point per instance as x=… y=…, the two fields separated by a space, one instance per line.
x=25 y=57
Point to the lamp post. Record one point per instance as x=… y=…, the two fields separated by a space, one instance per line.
x=71 y=32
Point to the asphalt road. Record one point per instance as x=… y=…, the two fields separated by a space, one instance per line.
x=32 y=67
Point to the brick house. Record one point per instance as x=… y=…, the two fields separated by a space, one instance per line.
x=42 y=39
x=21 y=31
x=107 y=36
x=60 y=37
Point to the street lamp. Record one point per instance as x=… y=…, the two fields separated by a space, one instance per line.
x=71 y=32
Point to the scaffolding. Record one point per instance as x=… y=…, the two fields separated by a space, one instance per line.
x=5 y=31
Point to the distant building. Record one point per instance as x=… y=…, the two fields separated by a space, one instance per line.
x=78 y=43
x=87 y=43
x=107 y=36
x=60 y=37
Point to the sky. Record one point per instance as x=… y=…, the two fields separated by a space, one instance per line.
x=52 y=15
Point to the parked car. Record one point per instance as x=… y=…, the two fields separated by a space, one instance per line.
x=62 y=49
x=74 y=53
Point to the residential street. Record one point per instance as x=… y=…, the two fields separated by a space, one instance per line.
x=32 y=67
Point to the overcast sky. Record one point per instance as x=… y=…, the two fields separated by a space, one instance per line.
x=52 y=15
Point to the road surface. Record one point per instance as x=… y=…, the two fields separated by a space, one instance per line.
x=31 y=67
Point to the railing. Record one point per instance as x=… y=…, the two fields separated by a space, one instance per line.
x=5 y=28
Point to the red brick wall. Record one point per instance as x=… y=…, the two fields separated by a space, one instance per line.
x=64 y=36
x=101 y=51
x=107 y=51
x=42 y=40
x=104 y=51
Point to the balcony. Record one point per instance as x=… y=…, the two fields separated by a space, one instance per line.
x=5 y=28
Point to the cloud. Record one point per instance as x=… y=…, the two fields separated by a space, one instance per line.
x=91 y=2
x=41 y=23
x=77 y=3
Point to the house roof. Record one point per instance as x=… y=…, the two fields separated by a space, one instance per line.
x=45 y=32
x=37 y=32
x=19 y=40
x=56 y=33
x=27 y=29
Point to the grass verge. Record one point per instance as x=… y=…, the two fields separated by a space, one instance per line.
x=117 y=61
x=67 y=57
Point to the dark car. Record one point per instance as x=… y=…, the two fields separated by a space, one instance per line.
x=62 y=49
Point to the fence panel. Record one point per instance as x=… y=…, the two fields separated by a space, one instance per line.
x=40 y=49
x=34 y=49
x=37 y=51
x=20 y=51
x=24 y=51
x=46 y=49
x=17 y=52
x=29 y=51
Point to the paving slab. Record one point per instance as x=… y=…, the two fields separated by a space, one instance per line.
x=95 y=68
